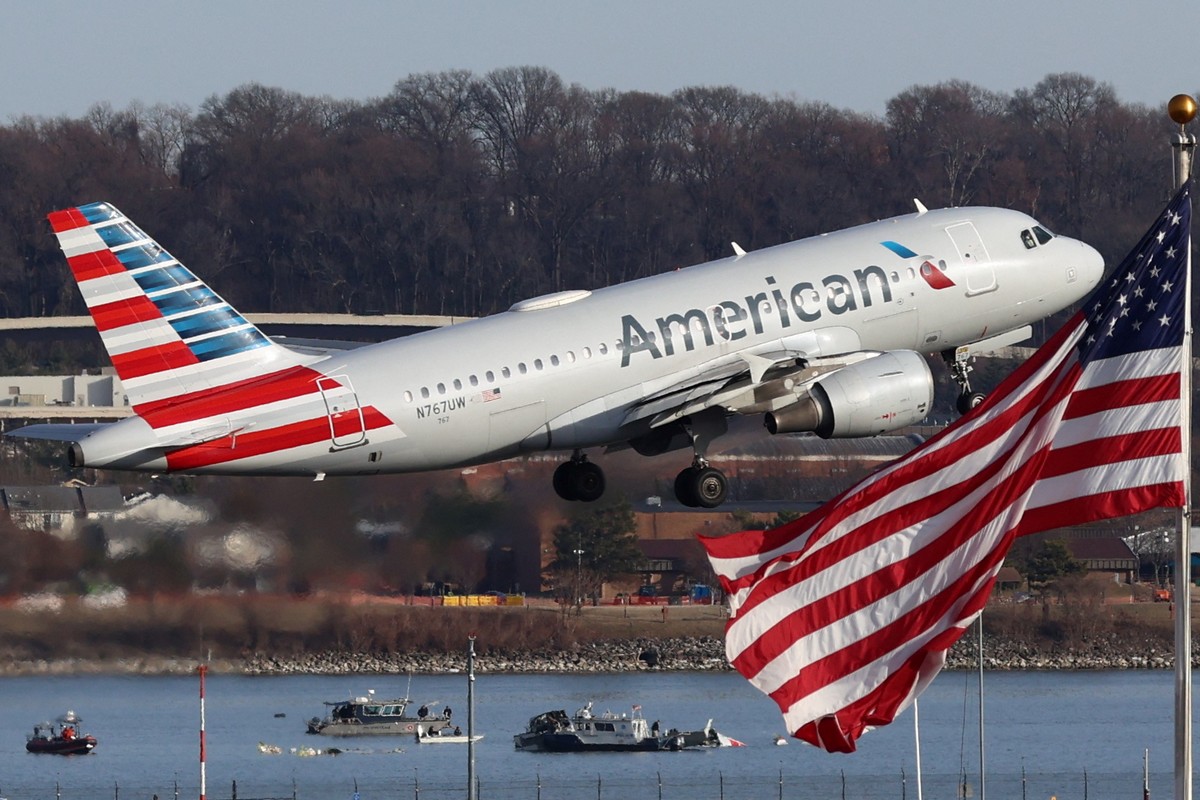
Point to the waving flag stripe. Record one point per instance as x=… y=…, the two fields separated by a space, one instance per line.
x=844 y=615
x=752 y=548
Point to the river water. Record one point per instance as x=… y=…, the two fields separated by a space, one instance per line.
x=1063 y=734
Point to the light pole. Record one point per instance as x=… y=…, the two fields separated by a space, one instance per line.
x=579 y=573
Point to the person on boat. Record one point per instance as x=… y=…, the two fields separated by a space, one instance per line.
x=457 y=731
x=654 y=728
x=422 y=712
x=446 y=712
x=68 y=733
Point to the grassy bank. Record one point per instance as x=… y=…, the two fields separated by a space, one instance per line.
x=234 y=628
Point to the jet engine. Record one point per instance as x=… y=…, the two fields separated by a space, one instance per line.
x=868 y=398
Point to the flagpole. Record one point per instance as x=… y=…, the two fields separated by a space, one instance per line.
x=1182 y=110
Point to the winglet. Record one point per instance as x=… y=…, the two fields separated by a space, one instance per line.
x=921 y=209
x=737 y=249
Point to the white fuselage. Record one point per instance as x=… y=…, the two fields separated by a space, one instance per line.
x=574 y=370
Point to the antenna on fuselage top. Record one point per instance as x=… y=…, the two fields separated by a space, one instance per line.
x=921 y=209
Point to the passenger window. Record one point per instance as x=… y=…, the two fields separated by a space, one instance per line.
x=521 y=368
x=441 y=387
x=425 y=392
x=570 y=356
x=490 y=376
x=537 y=364
x=473 y=380
x=554 y=361
x=1027 y=239
x=457 y=385
x=506 y=372
x=587 y=352
x=408 y=398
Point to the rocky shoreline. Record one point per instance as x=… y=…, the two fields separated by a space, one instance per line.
x=704 y=653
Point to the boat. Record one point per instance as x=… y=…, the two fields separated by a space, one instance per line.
x=370 y=716
x=62 y=737
x=447 y=735
x=584 y=731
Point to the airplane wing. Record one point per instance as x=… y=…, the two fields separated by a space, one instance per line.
x=863 y=393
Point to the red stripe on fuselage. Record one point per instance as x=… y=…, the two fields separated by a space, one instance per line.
x=257 y=443
x=67 y=220
x=138 y=308
x=150 y=360
x=96 y=264
x=284 y=385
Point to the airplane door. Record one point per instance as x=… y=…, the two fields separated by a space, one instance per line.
x=977 y=265
x=347 y=427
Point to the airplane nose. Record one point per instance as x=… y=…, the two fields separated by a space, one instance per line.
x=1089 y=265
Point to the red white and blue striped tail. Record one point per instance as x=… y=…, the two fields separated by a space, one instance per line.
x=167 y=333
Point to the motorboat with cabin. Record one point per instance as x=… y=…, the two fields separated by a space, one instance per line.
x=371 y=716
x=61 y=737
x=585 y=731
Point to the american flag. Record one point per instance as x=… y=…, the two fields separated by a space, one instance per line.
x=844 y=616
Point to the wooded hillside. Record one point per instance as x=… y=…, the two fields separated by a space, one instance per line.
x=460 y=194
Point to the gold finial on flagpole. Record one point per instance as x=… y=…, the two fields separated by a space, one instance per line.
x=1181 y=109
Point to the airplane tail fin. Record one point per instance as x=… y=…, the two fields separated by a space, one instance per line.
x=169 y=336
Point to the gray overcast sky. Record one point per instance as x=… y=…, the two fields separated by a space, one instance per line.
x=62 y=56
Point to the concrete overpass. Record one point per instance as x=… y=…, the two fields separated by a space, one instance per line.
x=265 y=320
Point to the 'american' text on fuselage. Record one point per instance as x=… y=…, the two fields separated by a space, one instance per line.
x=735 y=319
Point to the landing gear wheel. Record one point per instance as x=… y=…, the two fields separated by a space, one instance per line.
x=701 y=487
x=579 y=479
x=969 y=400
x=685 y=487
x=710 y=487
x=586 y=481
x=562 y=480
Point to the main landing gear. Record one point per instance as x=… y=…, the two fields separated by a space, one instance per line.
x=579 y=479
x=702 y=486
x=959 y=362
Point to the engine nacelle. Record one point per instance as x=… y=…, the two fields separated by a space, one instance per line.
x=881 y=394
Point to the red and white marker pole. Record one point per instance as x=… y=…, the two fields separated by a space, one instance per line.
x=202 y=669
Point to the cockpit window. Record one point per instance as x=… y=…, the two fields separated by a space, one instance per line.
x=1032 y=237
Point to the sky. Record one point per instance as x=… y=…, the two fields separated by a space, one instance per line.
x=60 y=57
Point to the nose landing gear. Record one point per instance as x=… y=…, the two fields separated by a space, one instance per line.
x=959 y=362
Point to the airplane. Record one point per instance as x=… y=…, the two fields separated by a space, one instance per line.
x=822 y=336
